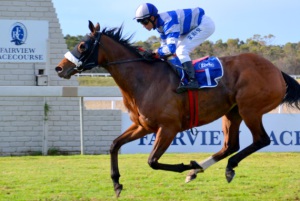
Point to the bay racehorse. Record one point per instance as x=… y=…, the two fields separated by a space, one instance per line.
x=251 y=86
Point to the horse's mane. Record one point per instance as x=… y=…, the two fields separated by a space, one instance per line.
x=116 y=34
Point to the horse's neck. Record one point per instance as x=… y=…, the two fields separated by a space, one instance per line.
x=138 y=79
x=129 y=76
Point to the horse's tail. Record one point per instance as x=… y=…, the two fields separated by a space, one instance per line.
x=292 y=96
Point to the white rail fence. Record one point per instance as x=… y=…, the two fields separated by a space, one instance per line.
x=297 y=77
x=108 y=75
x=58 y=91
x=93 y=75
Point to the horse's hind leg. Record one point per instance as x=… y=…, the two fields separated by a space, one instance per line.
x=230 y=125
x=260 y=140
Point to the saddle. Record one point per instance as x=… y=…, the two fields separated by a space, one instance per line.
x=208 y=69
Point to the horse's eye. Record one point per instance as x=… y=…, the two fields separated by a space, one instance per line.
x=82 y=47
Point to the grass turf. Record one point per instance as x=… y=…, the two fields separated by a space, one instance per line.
x=261 y=176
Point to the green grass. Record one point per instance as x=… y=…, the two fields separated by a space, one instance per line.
x=96 y=81
x=262 y=176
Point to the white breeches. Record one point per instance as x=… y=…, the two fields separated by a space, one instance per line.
x=187 y=43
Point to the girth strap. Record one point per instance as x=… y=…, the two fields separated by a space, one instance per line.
x=193 y=101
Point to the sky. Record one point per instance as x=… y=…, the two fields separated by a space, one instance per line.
x=233 y=19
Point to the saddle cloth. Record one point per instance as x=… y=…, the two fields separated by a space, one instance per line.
x=208 y=71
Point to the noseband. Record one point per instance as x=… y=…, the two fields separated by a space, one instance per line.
x=81 y=60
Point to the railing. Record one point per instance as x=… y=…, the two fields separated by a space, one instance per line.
x=297 y=77
x=58 y=91
x=93 y=75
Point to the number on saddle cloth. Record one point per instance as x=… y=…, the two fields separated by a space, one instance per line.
x=208 y=71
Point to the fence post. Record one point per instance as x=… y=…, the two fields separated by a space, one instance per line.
x=45 y=131
x=81 y=125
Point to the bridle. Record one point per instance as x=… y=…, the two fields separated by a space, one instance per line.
x=82 y=63
x=83 y=59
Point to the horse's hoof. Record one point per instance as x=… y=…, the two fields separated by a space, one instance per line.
x=118 y=188
x=229 y=174
x=193 y=174
x=190 y=177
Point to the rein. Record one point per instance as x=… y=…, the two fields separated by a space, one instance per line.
x=123 y=61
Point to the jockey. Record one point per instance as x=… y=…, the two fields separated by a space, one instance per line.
x=181 y=31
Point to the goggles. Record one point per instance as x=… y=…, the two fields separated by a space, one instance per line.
x=144 y=21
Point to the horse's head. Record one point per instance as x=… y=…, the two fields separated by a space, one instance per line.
x=83 y=57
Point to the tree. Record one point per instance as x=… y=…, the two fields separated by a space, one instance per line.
x=286 y=57
x=72 y=40
x=220 y=48
x=263 y=40
x=233 y=46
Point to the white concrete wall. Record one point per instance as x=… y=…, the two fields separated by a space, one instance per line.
x=22 y=125
x=101 y=127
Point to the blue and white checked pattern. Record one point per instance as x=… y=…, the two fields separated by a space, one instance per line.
x=172 y=24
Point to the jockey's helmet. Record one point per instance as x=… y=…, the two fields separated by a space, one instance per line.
x=145 y=11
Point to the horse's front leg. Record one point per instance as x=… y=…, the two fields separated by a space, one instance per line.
x=164 y=137
x=132 y=133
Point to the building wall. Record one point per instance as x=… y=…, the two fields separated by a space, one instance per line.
x=23 y=126
x=101 y=127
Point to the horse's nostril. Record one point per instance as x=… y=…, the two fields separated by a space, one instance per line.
x=58 y=69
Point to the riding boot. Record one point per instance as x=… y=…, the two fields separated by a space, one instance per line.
x=192 y=84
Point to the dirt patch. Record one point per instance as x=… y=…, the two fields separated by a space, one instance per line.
x=103 y=104
x=97 y=105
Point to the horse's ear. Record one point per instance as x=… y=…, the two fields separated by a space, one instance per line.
x=91 y=26
x=97 y=27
